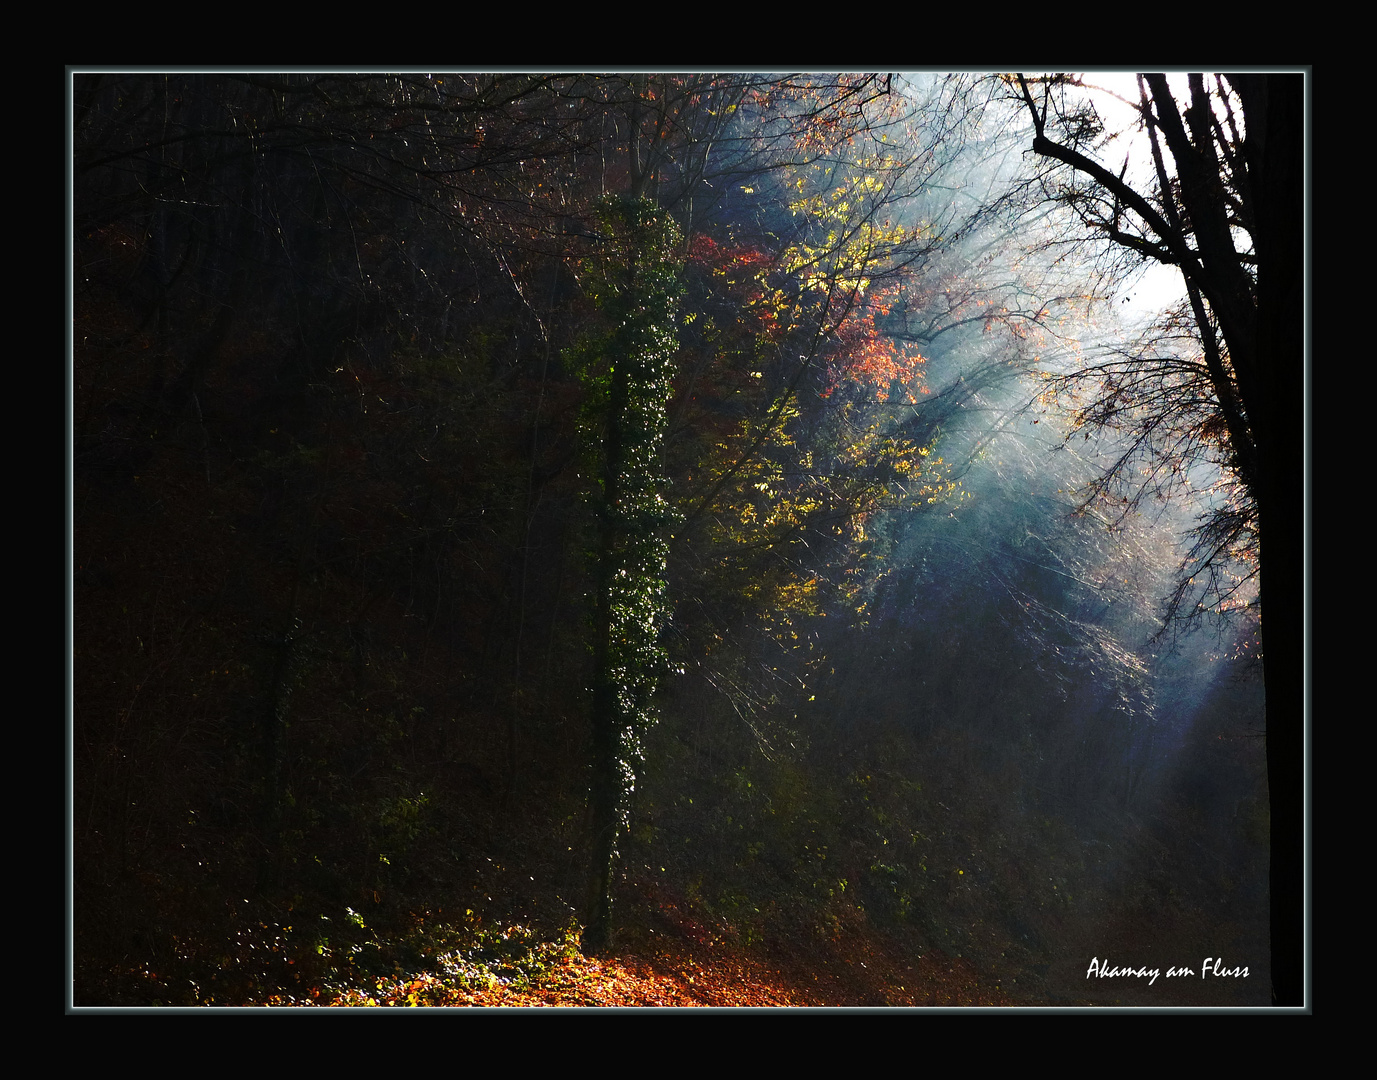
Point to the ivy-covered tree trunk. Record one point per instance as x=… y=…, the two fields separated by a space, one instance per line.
x=627 y=374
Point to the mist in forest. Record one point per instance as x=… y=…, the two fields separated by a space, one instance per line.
x=1081 y=777
x=1101 y=774
x=1018 y=638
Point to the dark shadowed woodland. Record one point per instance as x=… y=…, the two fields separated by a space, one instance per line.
x=718 y=540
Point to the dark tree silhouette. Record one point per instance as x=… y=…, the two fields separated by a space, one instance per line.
x=1226 y=209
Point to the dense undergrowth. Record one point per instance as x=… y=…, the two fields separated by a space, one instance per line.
x=888 y=888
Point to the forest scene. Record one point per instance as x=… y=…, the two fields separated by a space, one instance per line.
x=672 y=539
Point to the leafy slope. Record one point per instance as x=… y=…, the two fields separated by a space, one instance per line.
x=660 y=971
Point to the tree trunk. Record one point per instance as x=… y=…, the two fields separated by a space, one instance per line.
x=605 y=788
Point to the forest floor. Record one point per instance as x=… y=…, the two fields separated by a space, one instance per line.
x=663 y=971
x=695 y=976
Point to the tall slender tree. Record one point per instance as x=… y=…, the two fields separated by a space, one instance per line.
x=627 y=372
